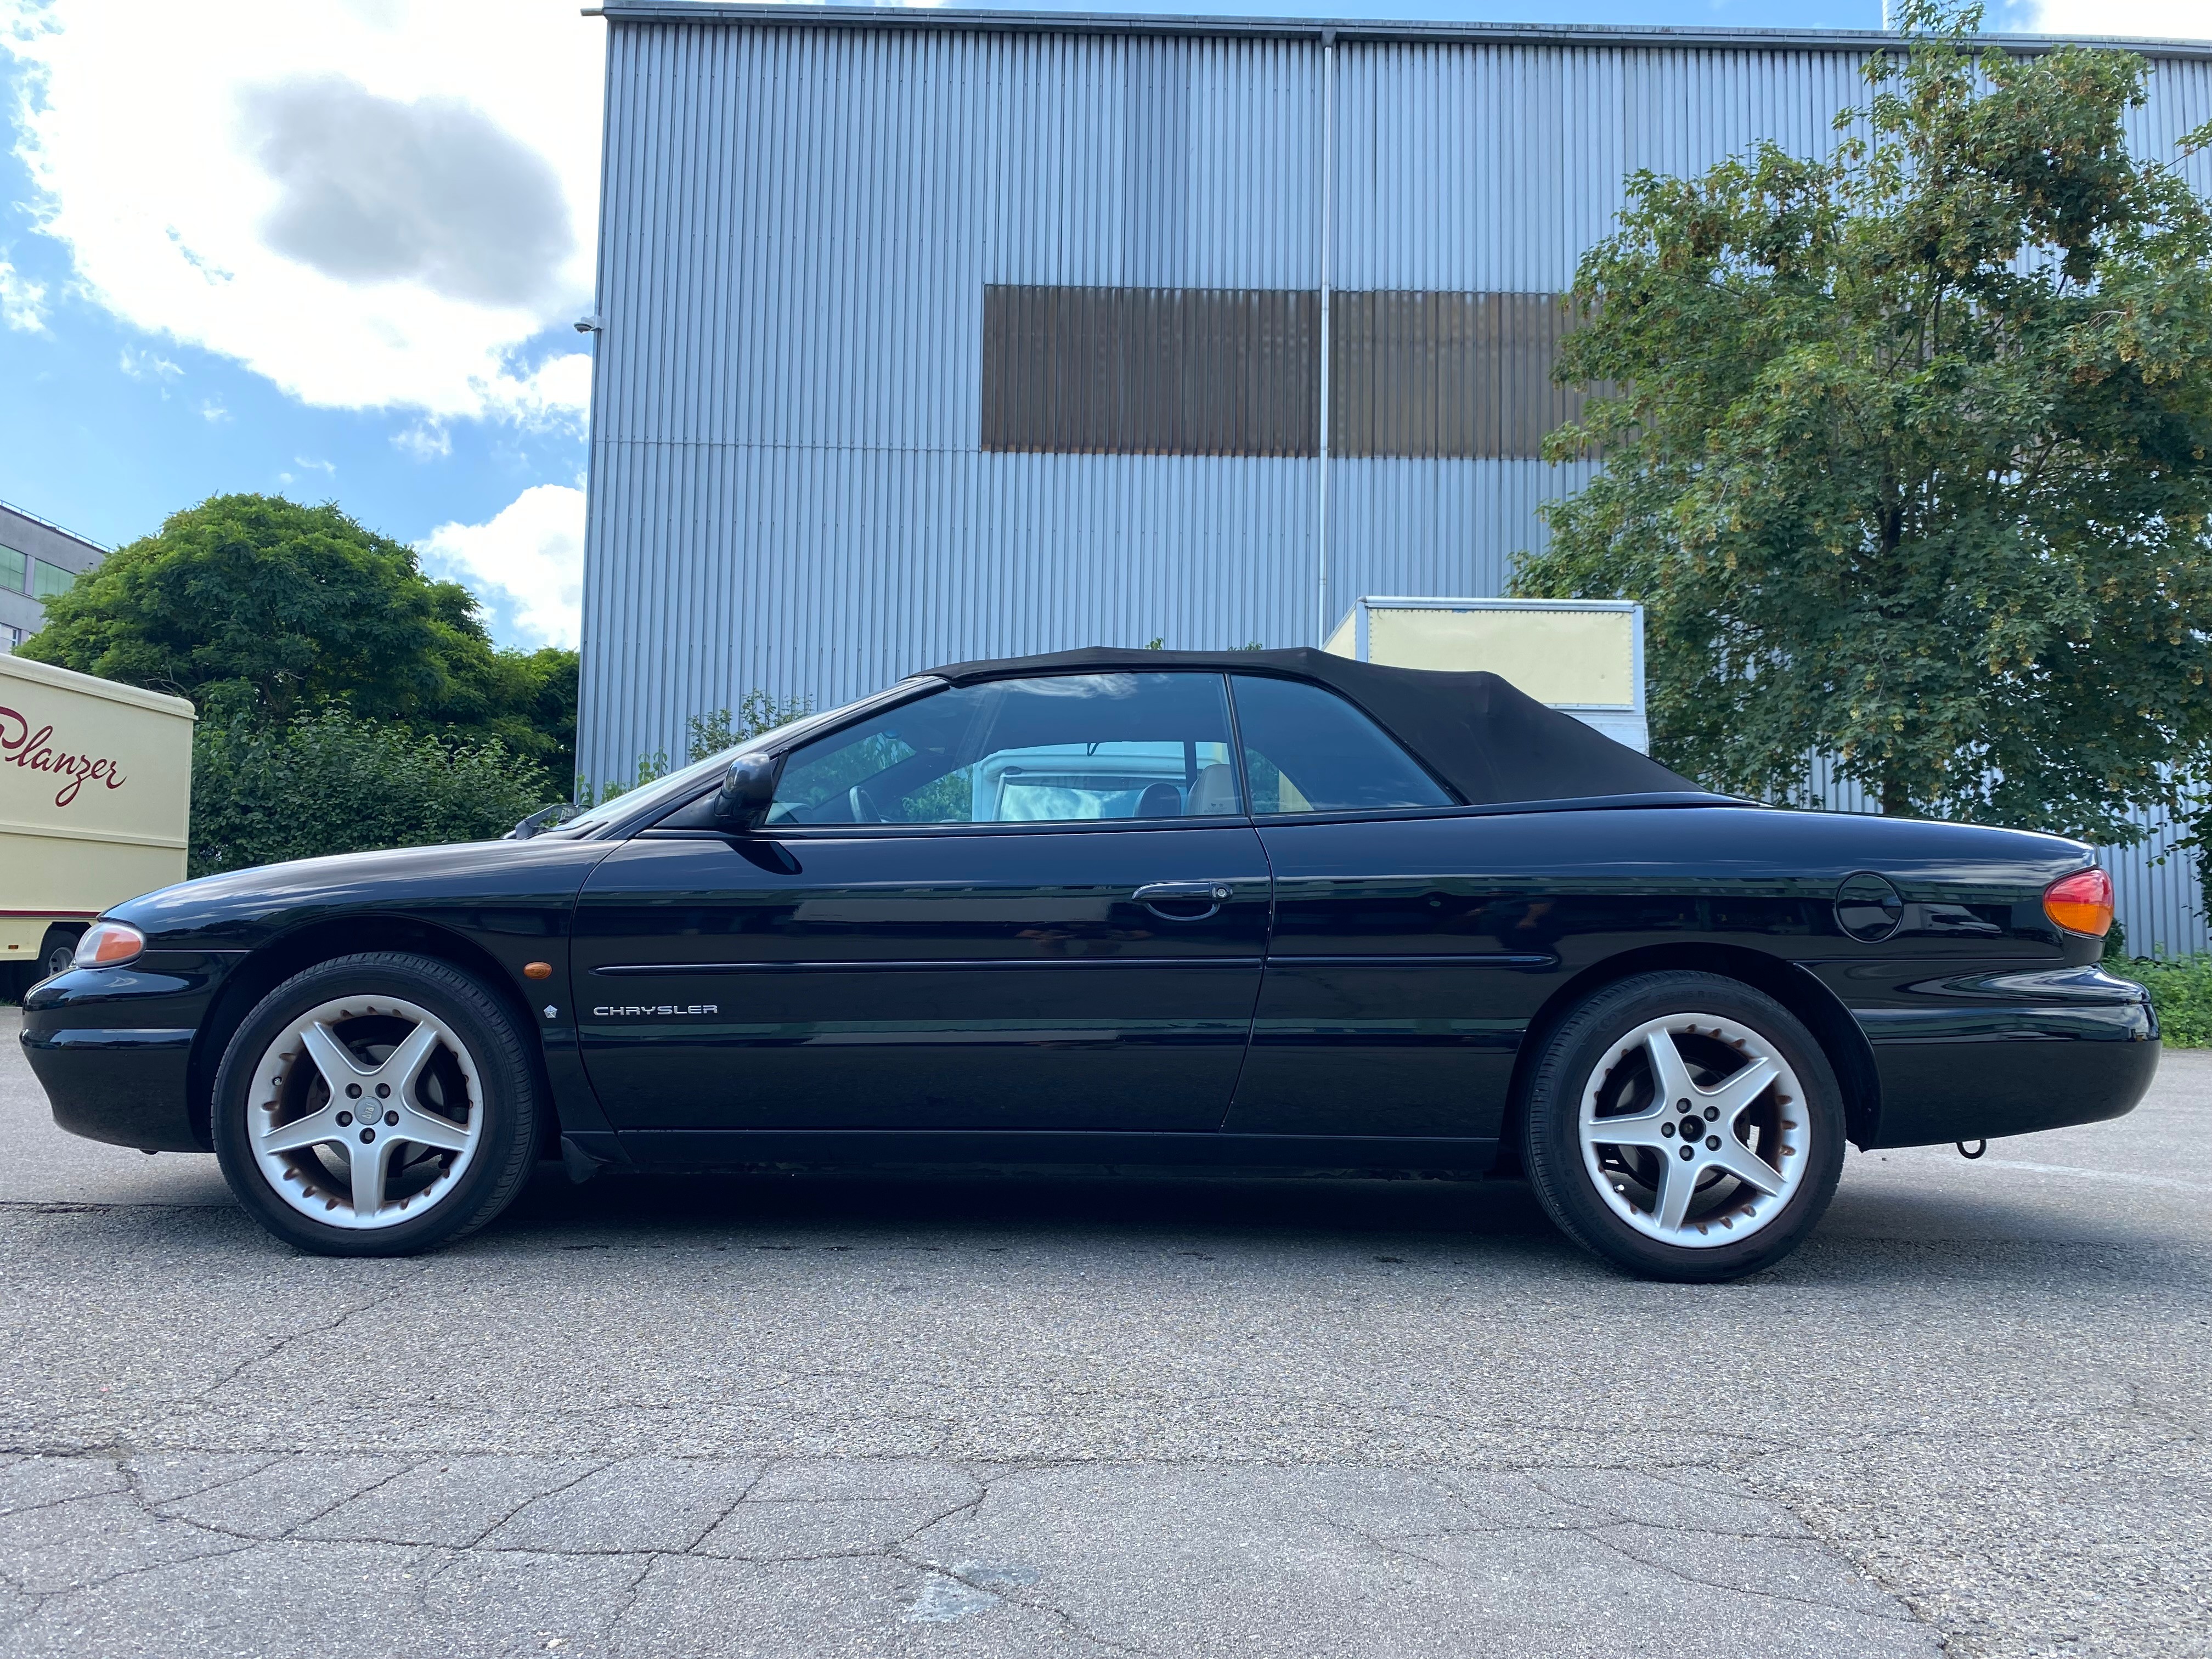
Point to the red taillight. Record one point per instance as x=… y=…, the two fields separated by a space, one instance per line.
x=2081 y=902
x=106 y=944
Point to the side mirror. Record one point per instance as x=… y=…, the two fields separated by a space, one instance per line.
x=544 y=818
x=748 y=789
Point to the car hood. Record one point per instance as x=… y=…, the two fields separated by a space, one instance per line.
x=240 y=908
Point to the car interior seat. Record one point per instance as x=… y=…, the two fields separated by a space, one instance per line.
x=1160 y=800
x=1213 y=793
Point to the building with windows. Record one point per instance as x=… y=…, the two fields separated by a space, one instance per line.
x=38 y=559
x=925 y=336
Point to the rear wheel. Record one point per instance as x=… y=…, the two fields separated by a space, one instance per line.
x=1685 y=1126
x=376 y=1105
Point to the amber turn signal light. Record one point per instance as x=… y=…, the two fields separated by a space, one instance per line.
x=2081 y=902
x=108 y=944
x=538 y=970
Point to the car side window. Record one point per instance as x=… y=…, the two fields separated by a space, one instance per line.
x=1307 y=750
x=1053 y=748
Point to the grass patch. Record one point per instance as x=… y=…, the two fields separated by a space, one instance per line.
x=2181 y=990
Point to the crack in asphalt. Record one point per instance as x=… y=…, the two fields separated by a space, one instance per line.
x=1597 y=1531
x=2046 y=1453
x=237 y=1540
x=102 y=1580
x=1598 y=1536
x=384 y=1297
x=477 y=1542
x=123 y=1459
x=909 y=1547
x=630 y=1594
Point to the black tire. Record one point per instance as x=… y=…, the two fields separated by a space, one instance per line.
x=57 y=950
x=1568 y=1187
x=505 y=1151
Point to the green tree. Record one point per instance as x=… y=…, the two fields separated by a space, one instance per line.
x=331 y=782
x=261 y=606
x=529 y=705
x=756 y=712
x=1906 y=449
x=706 y=735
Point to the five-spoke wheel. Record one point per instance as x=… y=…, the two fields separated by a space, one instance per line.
x=1688 y=1131
x=1685 y=1126
x=370 y=1107
x=376 y=1105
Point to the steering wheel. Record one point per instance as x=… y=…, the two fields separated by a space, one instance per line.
x=864 y=809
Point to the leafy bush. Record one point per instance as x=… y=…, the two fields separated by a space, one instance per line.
x=331 y=782
x=2181 y=990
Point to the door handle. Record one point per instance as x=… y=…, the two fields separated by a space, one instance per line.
x=1210 y=895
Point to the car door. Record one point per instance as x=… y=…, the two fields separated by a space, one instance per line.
x=1033 y=904
x=1384 y=1010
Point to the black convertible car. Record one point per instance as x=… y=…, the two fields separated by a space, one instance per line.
x=1239 y=910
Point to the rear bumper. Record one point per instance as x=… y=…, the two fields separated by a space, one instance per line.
x=2011 y=1055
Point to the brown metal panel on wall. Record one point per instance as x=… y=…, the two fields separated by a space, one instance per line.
x=1136 y=371
x=1446 y=376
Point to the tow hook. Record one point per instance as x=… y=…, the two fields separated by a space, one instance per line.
x=1980 y=1146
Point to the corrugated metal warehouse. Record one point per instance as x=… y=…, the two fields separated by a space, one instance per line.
x=932 y=334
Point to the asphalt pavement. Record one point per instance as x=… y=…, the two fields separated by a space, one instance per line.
x=1095 y=1416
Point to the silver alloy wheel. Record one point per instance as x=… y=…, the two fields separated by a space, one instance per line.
x=1724 y=1179
x=365 y=1111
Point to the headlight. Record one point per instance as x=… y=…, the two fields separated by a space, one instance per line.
x=108 y=944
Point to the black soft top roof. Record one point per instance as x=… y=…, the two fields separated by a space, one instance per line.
x=1490 y=741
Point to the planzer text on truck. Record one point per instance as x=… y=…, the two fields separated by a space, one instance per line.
x=95 y=802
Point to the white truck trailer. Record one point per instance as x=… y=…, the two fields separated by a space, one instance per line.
x=95 y=804
x=1583 y=657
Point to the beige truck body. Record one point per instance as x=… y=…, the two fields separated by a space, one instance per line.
x=1583 y=657
x=95 y=798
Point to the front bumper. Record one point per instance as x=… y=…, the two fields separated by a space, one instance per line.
x=114 y=1048
x=2010 y=1054
x=128 y=1086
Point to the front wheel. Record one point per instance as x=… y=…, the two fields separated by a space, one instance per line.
x=377 y=1104
x=1685 y=1126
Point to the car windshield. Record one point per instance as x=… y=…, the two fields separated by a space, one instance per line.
x=677 y=785
x=1051 y=748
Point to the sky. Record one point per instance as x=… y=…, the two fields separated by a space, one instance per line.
x=335 y=249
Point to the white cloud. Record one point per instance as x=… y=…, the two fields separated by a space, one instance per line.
x=23 y=302
x=214 y=413
x=425 y=441
x=375 y=203
x=2145 y=19
x=533 y=552
x=329 y=469
x=431 y=190
x=148 y=365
